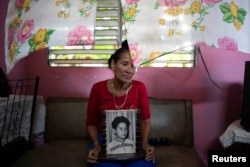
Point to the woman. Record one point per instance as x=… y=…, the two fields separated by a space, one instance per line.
x=121 y=143
x=120 y=92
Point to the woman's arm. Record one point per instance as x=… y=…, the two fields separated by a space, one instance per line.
x=145 y=129
x=145 y=123
x=91 y=124
x=149 y=150
x=93 y=134
x=94 y=152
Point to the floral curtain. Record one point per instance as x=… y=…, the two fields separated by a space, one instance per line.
x=36 y=24
x=152 y=27
x=157 y=27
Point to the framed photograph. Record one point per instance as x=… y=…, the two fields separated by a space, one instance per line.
x=121 y=135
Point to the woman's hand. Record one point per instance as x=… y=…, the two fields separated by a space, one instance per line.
x=150 y=152
x=93 y=154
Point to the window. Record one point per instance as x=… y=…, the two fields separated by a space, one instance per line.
x=108 y=37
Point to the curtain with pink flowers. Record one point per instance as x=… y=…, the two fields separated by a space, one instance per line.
x=157 y=27
x=36 y=24
x=152 y=27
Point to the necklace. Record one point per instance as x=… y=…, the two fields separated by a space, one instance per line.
x=122 y=105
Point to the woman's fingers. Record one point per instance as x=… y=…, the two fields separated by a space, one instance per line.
x=92 y=157
x=150 y=156
x=149 y=153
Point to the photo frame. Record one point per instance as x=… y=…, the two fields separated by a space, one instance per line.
x=121 y=131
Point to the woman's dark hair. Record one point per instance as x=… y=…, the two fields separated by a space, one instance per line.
x=117 y=55
x=120 y=119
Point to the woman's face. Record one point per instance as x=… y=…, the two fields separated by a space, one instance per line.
x=124 y=69
x=121 y=130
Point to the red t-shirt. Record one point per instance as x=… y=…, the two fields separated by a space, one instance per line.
x=101 y=99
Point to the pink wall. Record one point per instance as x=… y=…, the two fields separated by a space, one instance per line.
x=214 y=106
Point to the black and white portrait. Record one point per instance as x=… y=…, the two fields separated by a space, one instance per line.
x=121 y=131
